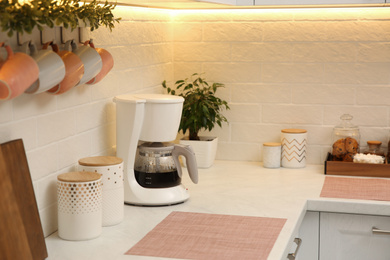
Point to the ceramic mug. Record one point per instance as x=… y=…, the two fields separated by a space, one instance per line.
x=51 y=68
x=74 y=69
x=108 y=63
x=17 y=73
x=90 y=58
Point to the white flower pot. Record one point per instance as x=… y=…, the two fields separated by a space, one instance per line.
x=205 y=150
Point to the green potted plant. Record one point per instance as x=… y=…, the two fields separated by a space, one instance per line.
x=23 y=17
x=202 y=110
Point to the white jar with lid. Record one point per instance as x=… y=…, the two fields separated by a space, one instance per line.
x=111 y=169
x=294 y=148
x=271 y=155
x=79 y=205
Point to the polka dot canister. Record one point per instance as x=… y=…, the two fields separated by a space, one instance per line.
x=79 y=205
x=111 y=168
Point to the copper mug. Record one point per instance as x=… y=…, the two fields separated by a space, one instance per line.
x=17 y=73
x=108 y=64
x=74 y=69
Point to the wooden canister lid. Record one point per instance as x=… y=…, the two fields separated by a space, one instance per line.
x=294 y=131
x=374 y=142
x=79 y=176
x=272 y=144
x=100 y=161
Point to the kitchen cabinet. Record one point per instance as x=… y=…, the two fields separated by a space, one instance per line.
x=341 y=236
x=232 y=2
x=295 y=2
x=350 y=236
x=316 y=2
x=309 y=232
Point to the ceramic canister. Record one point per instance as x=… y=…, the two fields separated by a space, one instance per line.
x=294 y=148
x=111 y=168
x=79 y=205
x=271 y=155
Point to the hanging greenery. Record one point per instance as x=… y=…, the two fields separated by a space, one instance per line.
x=23 y=17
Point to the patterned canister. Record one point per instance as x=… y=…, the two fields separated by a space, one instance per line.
x=111 y=168
x=294 y=143
x=79 y=205
x=271 y=155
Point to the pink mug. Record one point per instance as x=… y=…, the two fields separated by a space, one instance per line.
x=17 y=73
x=74 y=70
x=108 y=63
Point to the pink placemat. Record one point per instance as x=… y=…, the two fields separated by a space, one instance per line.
x=210 y=236
x=356 y=188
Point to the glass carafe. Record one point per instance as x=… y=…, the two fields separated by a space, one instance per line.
x=157 y=164
x=154 y=166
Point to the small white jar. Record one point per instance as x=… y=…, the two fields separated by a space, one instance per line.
x=271 y=155
x=294 y=143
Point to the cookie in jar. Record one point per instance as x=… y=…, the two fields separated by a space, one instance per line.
x=346 y=138
x=344 y=149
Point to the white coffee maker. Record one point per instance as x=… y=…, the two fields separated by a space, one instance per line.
x=148 y=122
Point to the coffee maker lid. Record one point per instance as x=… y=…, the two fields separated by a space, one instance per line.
x=150 y=98
x=128 y=98
x=160 y=98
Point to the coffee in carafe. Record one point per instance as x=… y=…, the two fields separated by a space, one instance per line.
x=155 y=167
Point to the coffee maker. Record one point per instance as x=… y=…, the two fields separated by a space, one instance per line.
x=145 y=126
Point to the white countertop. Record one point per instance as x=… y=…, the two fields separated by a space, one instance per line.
x=228 y=187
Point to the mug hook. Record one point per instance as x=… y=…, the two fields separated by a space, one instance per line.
x=19 y=39
x=41 y=36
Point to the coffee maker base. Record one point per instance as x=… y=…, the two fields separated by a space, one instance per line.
x=140 y=196
x=162 y=205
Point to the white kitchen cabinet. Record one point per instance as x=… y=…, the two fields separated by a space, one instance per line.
x=309 y=232
x=316 y=2
x=350 y=236
x=339 y=236
x=295 y=2
x=232 y=2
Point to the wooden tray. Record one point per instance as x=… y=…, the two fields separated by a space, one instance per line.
x=356 y=169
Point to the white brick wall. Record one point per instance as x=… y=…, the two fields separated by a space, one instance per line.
x=300 y=68
x=282 y=68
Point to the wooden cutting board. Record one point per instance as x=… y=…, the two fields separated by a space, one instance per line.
x=13 y=242
x=19 y=207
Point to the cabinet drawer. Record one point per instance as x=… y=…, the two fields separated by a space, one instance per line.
x=350 y=236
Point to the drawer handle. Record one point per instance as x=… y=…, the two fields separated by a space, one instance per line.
x=292 y=256
x=380 y=231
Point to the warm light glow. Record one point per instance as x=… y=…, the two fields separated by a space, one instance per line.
x=274 y=13
x=23 y=2
x=200 y=5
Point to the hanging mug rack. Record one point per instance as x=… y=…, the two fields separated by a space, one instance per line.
x=80 y=33
x=77 y=55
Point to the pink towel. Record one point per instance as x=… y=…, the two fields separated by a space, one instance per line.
x=209 y=236
x=356 y=188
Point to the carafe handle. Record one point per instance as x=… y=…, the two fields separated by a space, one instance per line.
x=189 y=154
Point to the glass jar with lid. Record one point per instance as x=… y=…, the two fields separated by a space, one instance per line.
x=346 y=139
x=374 y=147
